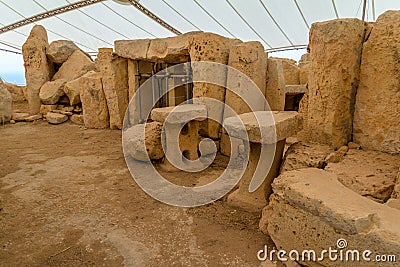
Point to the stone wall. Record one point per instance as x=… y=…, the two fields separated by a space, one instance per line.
x=377 y=110
x=336 y=48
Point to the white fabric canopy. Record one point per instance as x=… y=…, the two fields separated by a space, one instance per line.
x=275 y=23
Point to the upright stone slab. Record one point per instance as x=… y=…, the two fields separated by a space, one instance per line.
x=276 y=86
x=77 y=65
x=250 y=59
x=94 y=104
x=37 y=69
x=305 y=67
x=114 y=71
x=291 y=72
x=377 y=114
x=213 y=48
x=336 y=48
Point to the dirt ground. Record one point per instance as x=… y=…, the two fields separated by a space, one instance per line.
x=67 y=199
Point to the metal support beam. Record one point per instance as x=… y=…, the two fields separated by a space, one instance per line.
x=364 y=10
x=302 y=14
x=373 y=10
x=154 y=17
x=47 y=14
x=335 y=8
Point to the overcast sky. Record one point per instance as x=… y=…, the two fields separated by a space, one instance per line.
x=115 y=22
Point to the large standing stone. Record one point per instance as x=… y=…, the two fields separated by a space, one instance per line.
x=311 y=210
x=59 y=51
x=291 y=72
x=95 y=111
x=5 y=103
x=213 y=48
x=276 y=86
x=114 y=71
x=37 y=69
x=377 y=115
x=305 y=68
x=336 y=48
x=77 y=65
x=51 y=92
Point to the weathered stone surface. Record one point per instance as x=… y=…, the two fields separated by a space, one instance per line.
x=37 y=69
x=132 y=49
x=275 y=91
x=55 y=118
x=260 y=126
x=214 y=48
x=150 y=147
x=114 y=71
x=77 y=119
x=377 y=114
x=179 y=114
x=34 y=117
x=77 y=65
x=19 y=116
x=171 y=49
x=95 y=111
x=44 y=109
x=51 y=92
x=72 y=90
x=250 y=59
x=336 y=48
x=301 y=155
x=295 y=89
x=17 y=92
x=291 y=72
x=368 y=173
x=311 y=210
x=338 y=155
x=5 y=103
x=59 y=51
x=305 y=68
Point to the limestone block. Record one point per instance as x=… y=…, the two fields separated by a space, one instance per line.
x=77 y=65
x=295 y=89
x=37 y=69
x=95 y=111
x=44 y=109
x=180 y=114
x=214 y=48
x=72 y=90
x=305 y=68
x=377 y=112
x=17 y=92
x=132 y=49
x=171 y=49
x=311 y=210
x=145 y=147
x=114 y=71
x=260 y=126
x=336 y=48
x=59 y=51
x=19 y=116
x=55 y=118
x=275 y=91
x=250 y=59
x=301 y=155
x=5 y=103
x=291 y=72
x=369 y=173
x=77 y=119
x=51 y=92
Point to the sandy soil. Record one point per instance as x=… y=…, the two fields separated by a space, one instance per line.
x=67 y=199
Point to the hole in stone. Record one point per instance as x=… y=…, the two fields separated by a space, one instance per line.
x=185 y=155
x=185 y=129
